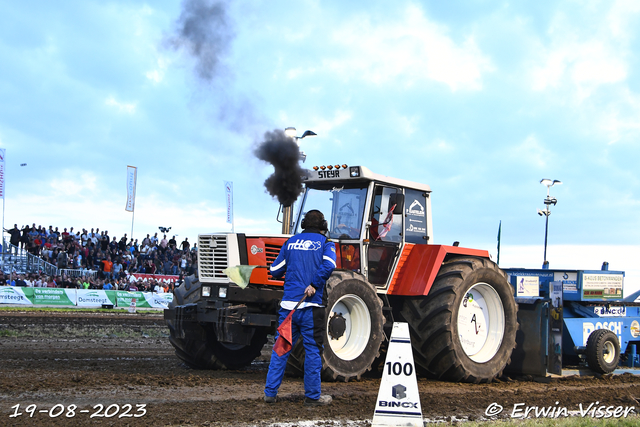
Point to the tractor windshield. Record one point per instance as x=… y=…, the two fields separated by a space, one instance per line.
x=342 y=207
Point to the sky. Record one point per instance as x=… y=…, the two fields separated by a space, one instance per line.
x=478 y=99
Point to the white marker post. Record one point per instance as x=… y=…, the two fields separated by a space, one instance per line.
x=398 y=402
x=132 y=306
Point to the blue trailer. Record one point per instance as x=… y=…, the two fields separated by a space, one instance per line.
x=569 y=317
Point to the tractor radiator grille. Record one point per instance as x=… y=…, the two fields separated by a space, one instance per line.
x=271 y=252
x=213 y=257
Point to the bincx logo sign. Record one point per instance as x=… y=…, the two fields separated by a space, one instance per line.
x=399 y=391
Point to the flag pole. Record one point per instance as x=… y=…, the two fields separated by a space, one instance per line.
x=499 y=237
x=3 y=153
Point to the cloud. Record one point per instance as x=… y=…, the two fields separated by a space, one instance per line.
x=621 y=120
x=120 y=106
x=531 y=151
x=407 y=125
x=321 y=125
x=326 y=125
x=73 y=184
x=586 y=51
x=406 y=51
x=157 y=74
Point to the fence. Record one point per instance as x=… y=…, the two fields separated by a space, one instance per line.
x=79 y=272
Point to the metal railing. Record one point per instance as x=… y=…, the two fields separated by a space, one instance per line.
x=77 y=272
x=18 y=260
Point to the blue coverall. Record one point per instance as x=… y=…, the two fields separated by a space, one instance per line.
x=308 y=259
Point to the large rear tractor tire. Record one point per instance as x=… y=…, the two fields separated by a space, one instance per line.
x=353 y=331
x=465 y=329
x=208 y=352
x=603 y=351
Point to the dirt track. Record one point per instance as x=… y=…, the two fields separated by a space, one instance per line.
x=115 y=360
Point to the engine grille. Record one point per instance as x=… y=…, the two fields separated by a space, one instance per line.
x=271 y=252
x=213 y=257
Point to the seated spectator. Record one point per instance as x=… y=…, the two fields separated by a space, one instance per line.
x=20 y=281
x=157 y=288
x=11 y=281
x=51 y=283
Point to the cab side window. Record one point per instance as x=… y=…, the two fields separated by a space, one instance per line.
x=385 y=225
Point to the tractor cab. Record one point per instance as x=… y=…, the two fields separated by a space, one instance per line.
x=371 y=217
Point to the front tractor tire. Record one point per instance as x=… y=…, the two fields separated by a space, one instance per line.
x=353 y=329
x=465 y=329
x=603 y=351
x=207 y=352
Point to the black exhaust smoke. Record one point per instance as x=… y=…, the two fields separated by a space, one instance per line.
x=283 y=153
x=204 y=32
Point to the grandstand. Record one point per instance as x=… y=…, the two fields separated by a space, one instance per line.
x=15 y=259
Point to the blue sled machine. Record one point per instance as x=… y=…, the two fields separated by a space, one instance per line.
x=569 y=317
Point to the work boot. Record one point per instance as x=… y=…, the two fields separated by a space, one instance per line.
x=324 y=399
x=269 y=399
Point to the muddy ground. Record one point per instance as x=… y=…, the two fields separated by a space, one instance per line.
x=54 y=360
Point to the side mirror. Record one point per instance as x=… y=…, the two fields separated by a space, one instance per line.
x=398 y=200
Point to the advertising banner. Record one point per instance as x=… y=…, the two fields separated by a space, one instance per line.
x=132 y=175
x=158 y=300
x=601 y=285
x=415 y=226
x=16 y=295
x=2 y=154
x=124 y=298
x=528 y=286
x=82 y=297
x=163 y=277
x=95 y=297
x=228 y=188
x=54 y=296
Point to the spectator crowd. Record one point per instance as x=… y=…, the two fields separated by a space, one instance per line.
x=34 y=280
x=113 y=259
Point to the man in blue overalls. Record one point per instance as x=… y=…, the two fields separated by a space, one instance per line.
x=308 y=259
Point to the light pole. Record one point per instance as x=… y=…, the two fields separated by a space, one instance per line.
x=548 y=201
x=291 y=133
x=287 y=211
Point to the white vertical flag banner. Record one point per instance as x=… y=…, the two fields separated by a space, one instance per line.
x=2 y=153
x=228 y=188
x=132 y=174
